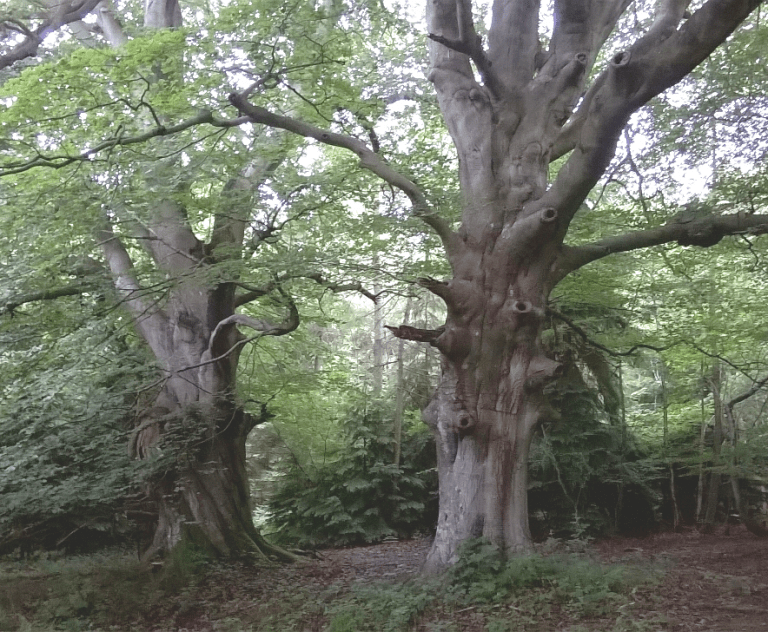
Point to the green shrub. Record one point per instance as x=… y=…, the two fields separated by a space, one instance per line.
x=587 y=476
x=482 y=575
x=362 y=496
x=106 y=589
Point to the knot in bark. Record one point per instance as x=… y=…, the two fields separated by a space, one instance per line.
x=463 y=423
x=701 y=233
x=548 y=216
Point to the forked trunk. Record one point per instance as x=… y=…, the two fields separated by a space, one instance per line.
x=194 y=422
x=512 y=108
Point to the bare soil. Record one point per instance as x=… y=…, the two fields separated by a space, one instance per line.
x=712 y=583
x=715 y=583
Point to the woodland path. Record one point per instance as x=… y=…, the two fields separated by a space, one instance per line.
x=713 y=583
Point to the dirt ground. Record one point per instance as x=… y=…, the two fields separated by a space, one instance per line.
x=713 y=583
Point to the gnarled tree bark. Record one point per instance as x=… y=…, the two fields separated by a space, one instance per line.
x=511 y=108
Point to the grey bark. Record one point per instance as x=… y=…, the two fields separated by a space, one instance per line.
x=195 y=340
x=510 y=110
x=713 y=487
x=510 y=250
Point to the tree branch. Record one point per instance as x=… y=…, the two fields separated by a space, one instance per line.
x=254 y=293
x=658 y=349
x=653 y=63
x=368 y=160
x=60 y=161
x=343 y=287
x=513 y=41
x=74 y=289
x=264 y=327
x=704 y=232
x=149 y=321
x=64 y=14
x=746 y=394
x=471 y=44
x=443 y=23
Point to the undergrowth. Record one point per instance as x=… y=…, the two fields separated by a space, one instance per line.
x=554 y=587
x=522 y=593
x=103 y=590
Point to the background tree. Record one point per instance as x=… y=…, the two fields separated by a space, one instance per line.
x=190 y=236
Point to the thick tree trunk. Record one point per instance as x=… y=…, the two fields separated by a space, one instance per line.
x=512 y=108
x=485 y=412
x=203 y=494
x=194 y=422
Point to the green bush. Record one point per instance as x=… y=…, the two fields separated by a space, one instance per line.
x=587 y=476
x=362 y=496
x=65 y=472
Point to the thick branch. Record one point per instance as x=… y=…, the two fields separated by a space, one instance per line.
x=74 y=289
x=513 y=40
x=61 y=15
x=681 y=50
x=368 y=160
x=110 y=27
x=571 y=131
x=655 y=62
x=149 y=321
x=443 y=23
x=704 y=232
x=231 y=219
x=471 y=44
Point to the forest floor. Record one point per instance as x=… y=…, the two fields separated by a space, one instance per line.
x=683 y=582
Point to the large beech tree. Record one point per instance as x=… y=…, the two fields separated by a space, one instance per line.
x=183 y=291
x=514 y=103
x=512 y=106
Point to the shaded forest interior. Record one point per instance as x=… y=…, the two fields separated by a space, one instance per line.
x=480 y=286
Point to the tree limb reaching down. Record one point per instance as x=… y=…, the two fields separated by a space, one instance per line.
x=368 y=159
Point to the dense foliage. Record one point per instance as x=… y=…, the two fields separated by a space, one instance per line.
x=680 y=330
x=361 y=495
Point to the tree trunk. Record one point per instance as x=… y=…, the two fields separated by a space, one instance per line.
x=203 y=494
x=484 y=415
x=715 y=478
x=194 y=422
x=511 y=109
